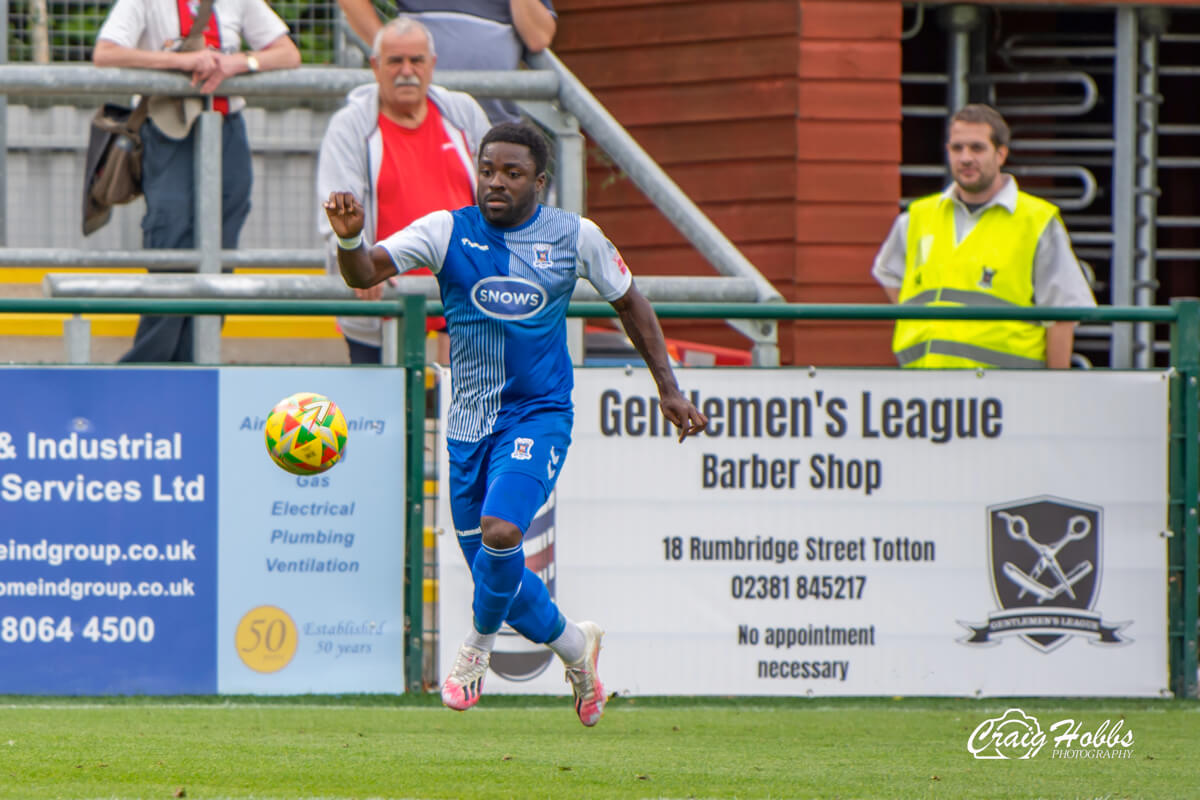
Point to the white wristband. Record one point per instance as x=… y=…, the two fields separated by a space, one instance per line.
x=350 y=244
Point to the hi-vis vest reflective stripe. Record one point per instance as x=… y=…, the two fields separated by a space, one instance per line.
x=992 y=266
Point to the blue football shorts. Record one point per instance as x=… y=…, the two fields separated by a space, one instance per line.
x=508 y=474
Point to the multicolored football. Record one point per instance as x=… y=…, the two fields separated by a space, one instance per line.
x=306 y=433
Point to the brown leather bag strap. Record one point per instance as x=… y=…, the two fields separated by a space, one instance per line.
x=134 y=123
x=193 y=41
x=195 y=35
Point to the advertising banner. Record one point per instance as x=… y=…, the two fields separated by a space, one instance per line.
x=860 y=532
x=148 y=544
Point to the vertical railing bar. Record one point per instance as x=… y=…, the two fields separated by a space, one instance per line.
x=412 y=345
x=1182 y=552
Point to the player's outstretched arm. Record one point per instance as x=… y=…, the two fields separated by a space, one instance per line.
x=361 y=266
x=641 y=324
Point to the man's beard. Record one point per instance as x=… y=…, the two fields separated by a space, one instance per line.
x=979 y=184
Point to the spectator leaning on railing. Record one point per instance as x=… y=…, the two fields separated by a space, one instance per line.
x=146 y=33
x=981 y=242
x=472 y=34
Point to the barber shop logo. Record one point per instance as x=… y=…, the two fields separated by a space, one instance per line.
x=1045 y=574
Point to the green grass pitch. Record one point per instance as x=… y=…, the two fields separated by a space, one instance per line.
x=520 y=747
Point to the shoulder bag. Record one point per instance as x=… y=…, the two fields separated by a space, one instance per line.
x=113 y=168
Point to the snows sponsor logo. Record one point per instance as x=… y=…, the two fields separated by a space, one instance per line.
x=507 y=298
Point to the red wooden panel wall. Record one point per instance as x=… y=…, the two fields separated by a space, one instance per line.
x=847 y=167
x=779 y=118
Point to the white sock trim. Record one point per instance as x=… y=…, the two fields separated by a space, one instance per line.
x=502 y=553
x=571 y=646
x=483 y=641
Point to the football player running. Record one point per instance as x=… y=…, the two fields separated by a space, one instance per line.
x=506 y=268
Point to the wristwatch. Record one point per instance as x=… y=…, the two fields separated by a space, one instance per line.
x=251 y=62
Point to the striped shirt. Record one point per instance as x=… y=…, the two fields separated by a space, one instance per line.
x=505 y=292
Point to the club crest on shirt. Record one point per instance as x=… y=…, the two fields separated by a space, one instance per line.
x=985 y=278
x=522 y=449
x=541 y=255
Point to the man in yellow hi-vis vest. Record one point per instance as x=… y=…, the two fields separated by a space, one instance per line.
x=981 y=242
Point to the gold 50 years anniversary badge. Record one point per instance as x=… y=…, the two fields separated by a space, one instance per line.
x=266 y=639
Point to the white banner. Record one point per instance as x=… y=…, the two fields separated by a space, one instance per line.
x=858 y=532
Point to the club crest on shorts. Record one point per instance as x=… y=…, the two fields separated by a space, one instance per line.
x=1045 y=568
x=522 y=449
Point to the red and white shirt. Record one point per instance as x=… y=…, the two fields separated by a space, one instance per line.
x=421 y=171
x=152 y=24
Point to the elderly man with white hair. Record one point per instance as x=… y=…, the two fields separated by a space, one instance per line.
x=402 y=145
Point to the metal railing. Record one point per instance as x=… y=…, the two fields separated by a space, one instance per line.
x=1183 y=503
x=77 y=330
x=554 y=97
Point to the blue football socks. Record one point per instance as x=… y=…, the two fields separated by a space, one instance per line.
x=532 y=613
x=497 y=575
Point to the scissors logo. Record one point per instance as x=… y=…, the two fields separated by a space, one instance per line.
x=1078 y=527
x=1045 y=573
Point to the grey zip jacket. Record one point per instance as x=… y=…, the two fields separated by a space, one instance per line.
x=349 y=161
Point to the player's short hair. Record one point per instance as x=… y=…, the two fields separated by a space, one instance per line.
x=978 y=112
x=523 y=134
x=401 y=25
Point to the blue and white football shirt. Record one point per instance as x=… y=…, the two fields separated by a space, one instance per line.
x=505 y=292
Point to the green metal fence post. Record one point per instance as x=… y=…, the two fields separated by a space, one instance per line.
x=412 y=345
x=1183 y=563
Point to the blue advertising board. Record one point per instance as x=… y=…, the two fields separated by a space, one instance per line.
x=148 y=545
